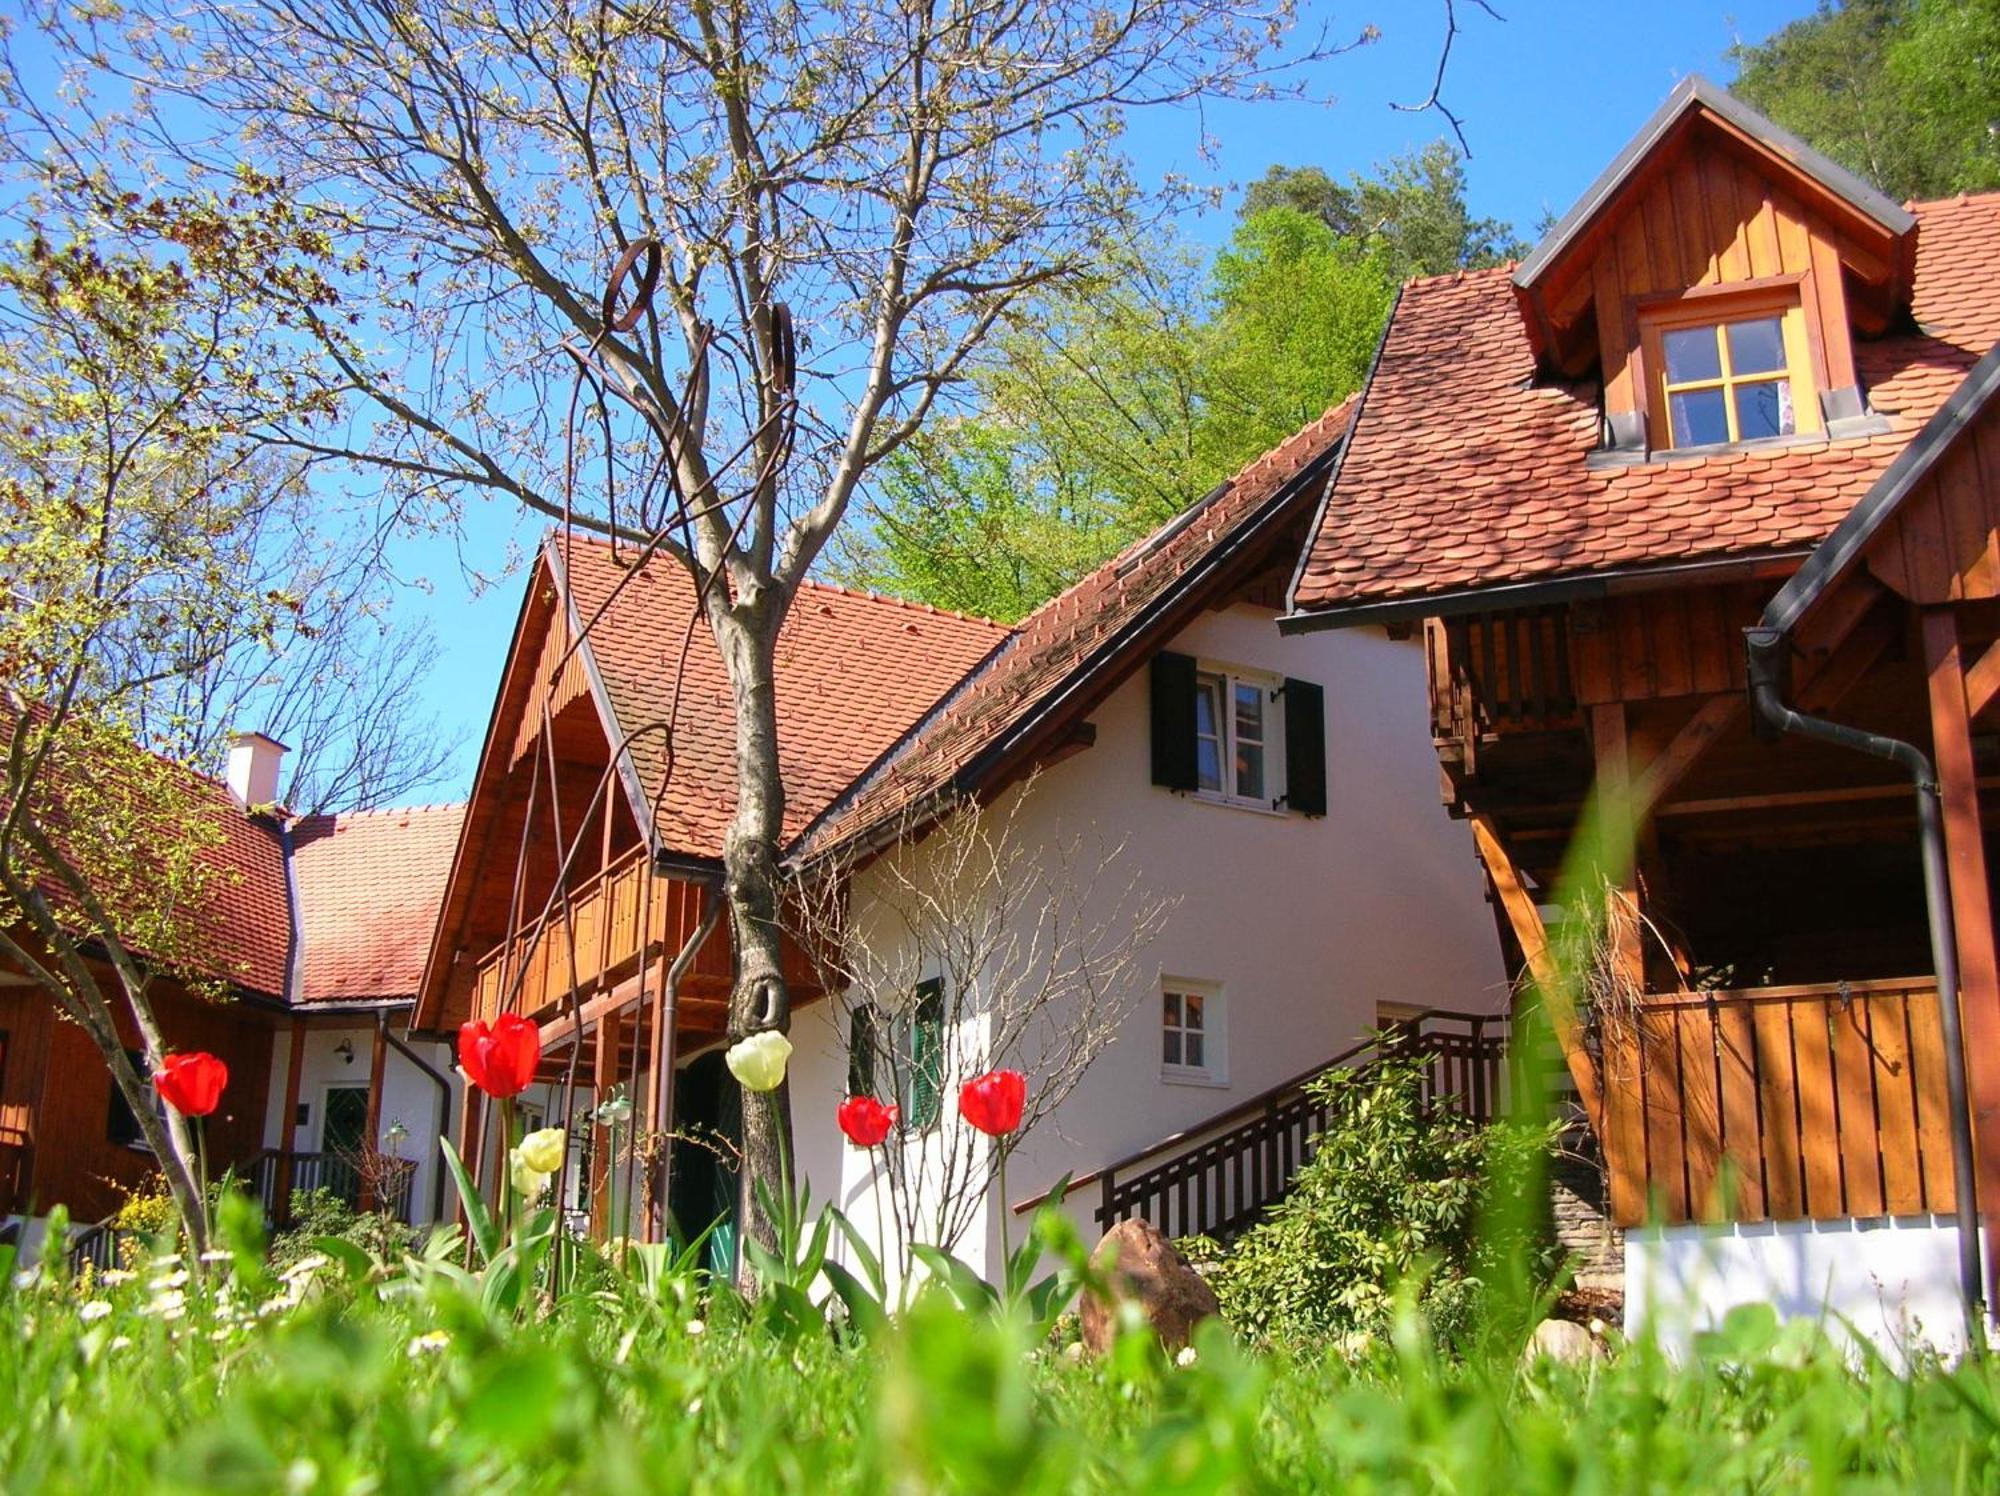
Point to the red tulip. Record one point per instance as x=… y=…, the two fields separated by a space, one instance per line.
x=866 y=1121
x=500 y=1057
x=191 y=1083
x=992 y=1102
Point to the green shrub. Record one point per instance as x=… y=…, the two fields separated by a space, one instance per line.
x=320 y=1213
x=1395 y=1193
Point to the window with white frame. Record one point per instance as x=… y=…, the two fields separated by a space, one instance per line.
x=1191 y=1036
x=1234 y=728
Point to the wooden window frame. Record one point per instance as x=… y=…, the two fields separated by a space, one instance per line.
x=1781 y=297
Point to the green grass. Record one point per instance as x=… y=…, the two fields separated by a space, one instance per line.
x=412 y=1383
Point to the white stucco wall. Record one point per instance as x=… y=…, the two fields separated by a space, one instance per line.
x=1306 y=925
x=1893 y=1279
x=408 y=1096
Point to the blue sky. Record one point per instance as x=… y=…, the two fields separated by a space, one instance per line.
x=1547 y=98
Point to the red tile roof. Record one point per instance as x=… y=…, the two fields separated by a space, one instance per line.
x=369 y=884
x=1059 y=643
x=853 y=672
x=1464 y=473
x=243 y=925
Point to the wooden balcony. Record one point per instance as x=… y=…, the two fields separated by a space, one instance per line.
x=625 y=913
x=1779 y=1103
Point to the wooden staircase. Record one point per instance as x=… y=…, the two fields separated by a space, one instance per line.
x=1214 y=1179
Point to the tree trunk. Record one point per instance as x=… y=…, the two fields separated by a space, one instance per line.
x=758 y=997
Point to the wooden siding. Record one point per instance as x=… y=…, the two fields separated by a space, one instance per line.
x=1779 y=1103
x=553 y=685
x=55 y=1098
x=1647 y=646
x=1942 y=545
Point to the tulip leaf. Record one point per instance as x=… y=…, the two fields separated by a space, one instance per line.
x=968 y=1290
x=484 y=1234
x=353 y=1260
x=864 y=1254
x=864 y=1309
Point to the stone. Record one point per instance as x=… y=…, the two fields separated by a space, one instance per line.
x=1563 y=1341
x=1142 y=1266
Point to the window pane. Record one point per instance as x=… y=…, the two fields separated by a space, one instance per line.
x=1170 y=1047
x=1172 y=1013
x=1194 y=1010
x=1764 y=408
x=1756 y=347
x=1192 y=1058
x=1250 y=770
x=1698 y=418
x=1207 y=764
x=1208 y=705
x=1250 y=712
x=1691 y=354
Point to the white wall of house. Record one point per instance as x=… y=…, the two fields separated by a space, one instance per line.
x=1303 y=927
x=408 y=1096
x=1892 y=1279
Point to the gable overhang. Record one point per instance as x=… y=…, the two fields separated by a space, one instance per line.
x=1879 y=233
x=1580 y=587
x=1836 y=556
x=1022 y=744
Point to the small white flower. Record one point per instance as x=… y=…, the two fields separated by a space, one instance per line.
x=216 y=1254
x=305 y=1267
x=1598 y=1327
x=427 y=1344
x=301 y=1475
x=1186 y=1357
x=696 y=1327
x=220 y=1336
x=169 y=1305
x=25 y=1278
x=176 y=1279
x=1073 y=1351
x=112 y=1277
x=120 y=1343
x=694 y=1407
x=93 y=1311
x=168 y=1261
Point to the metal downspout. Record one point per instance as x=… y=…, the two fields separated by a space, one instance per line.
x=1769 y=652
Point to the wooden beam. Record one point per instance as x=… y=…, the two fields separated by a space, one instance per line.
x=371 y=1136
x=1982 y=681
x=288 y=1128
x=1697 y=735
x=604 y=1077
x=1971 y=904
x=1525 y=919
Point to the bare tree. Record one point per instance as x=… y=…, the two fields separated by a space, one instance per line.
x=821 y=213
x=983 y=942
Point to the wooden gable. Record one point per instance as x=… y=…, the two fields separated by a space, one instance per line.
x=1942 y=543
x=1712 y=198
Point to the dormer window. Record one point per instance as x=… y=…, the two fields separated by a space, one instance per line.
x=1729 y=367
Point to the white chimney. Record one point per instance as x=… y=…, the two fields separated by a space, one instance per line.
x=253 y=768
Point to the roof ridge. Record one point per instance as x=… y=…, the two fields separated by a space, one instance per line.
x=1465 y=273
x=1951 y=200
x=386 y=810
x=909 y=604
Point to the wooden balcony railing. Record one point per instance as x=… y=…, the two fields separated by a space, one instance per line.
x=339 y=1174
x=600 y=940
x=1214 y=1179
x=1779 y=1103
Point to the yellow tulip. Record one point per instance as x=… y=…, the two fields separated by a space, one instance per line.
x=758 y=1062
x=542 y=1151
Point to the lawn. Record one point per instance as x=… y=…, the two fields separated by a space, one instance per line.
x=417 y=1377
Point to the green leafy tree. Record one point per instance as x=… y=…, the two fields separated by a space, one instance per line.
x=1411 y=208
x=1904 y=92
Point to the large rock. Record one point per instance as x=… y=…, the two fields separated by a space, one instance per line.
x=1142 y=1265
x=1560 y=1340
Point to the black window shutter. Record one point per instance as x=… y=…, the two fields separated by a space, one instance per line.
x=1173 y=721
x=1305 y=747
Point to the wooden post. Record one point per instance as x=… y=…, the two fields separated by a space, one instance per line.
x=371 y=1136
x=1971 y=903
x=604 y=1076
x=288 y=1130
